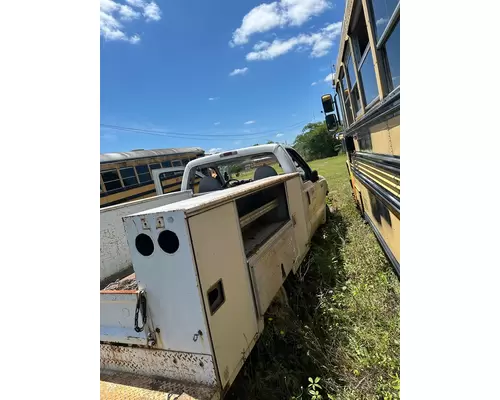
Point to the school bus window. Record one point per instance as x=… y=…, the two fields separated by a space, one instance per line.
x=166 y=164
x=154 y=166
x=348 y=112
x=344 y=86
x=143 y=173
x=111 y=179
x=128 y=176
x=392 y=53
x=364 y=60
x=185 y=161
x=350 y=71
x=357 y=100
x=383 y=10
x=176 y=163
x=344 y=97
x=359 y=36
x=340 y=102
x=367 y=71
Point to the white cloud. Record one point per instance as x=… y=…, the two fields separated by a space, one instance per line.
x=249 y=122
x=239 y=71
x=260 y=19
x=135 y=39
x=128 y=14
x=280 y=134
x=381 y=21
x=319 y=44
x=112 y=29
x=213 y=98
x=136 y=3
x=329 y=78
x=216 y=123
x=152 y=12
x=214 y=150
x=237 y=142
x=261 y=45
x=281 y=13
x=314 y=83
x=299 y=11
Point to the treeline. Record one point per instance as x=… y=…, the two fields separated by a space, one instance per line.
x=315 y=142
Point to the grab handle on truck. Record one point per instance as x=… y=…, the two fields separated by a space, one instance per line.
x=140 y=306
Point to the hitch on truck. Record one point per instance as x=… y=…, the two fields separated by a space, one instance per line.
x=207 y=263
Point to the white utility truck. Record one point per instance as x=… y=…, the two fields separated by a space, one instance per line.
x=187 y=277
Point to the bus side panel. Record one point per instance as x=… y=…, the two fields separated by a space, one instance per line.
x=394 y=135
x=382 y=219
x=380 y=142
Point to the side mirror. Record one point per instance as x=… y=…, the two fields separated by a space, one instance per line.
x=330 y=118
x=331 y=122
x=327 y=102
x=314 y=176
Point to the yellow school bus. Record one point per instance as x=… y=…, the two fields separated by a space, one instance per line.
x=367 y=93
x=127 y=176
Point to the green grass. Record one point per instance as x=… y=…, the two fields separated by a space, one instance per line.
x=341 y=323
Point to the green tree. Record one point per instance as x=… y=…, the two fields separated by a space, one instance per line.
x=316 y=142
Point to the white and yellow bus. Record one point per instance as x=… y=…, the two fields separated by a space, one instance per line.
x=127 y=176
x=367 y=86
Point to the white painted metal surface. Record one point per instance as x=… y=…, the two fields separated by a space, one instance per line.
x=117 y=318
x=115 y=256
x=277 y=150
x=180 y=366
x=157 y=181
x=170 y=282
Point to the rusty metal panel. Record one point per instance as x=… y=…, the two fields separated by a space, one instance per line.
x=125 y=386
x=271 y=265
x=184 y=367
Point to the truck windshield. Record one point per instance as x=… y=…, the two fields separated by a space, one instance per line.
x=237 y=170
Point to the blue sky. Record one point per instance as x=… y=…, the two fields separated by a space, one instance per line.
x=215 y=74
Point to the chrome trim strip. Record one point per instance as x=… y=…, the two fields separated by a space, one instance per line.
x=383 y=167
x=395 y=160
x=387 y=198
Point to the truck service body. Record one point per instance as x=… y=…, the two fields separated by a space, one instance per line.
x=201 y=269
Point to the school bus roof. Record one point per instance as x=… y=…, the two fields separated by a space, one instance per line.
x=132 y=155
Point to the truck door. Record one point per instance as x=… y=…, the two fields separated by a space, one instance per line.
x=314 y=192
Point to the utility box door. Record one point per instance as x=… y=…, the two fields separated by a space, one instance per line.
x=271 y=265
x=225 y=286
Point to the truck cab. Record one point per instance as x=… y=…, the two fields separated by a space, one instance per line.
x=242 y=166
